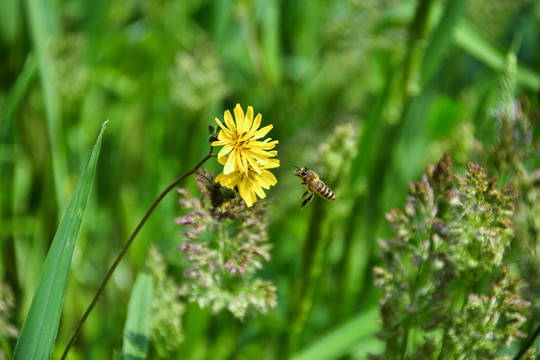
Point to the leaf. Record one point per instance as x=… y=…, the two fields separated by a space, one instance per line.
x=441 y=38
x=343 y=340
x=136 y=330
x=8 y=159
x=41 y=324
x=43 y=24
x=471 y=40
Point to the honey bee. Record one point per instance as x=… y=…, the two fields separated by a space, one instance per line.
x=314 y=185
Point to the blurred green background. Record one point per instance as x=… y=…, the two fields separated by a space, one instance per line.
x=405 y=80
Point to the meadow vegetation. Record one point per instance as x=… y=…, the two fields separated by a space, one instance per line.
x=420 y=115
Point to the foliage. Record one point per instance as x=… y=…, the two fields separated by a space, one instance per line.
x=450 y=241
x=365 y=92
x=166 y=310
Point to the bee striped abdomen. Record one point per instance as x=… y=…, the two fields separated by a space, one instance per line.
x=325 y=191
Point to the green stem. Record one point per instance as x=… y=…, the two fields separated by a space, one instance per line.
x=234 y=338
x=407 y=343
x=125 y=249
x=443 y=353
x=460 y=300
x=418 y=32
x=528 y=344
x=312 y=268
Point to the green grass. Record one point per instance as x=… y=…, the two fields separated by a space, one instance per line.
x=38 y=333
x=413 y=77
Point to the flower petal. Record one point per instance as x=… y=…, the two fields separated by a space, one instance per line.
x=248 y=119
x=239 y=117
x=220 y=143
x=239 y=164
x=271 y=163
x=256 y=123
x=224 y=129
x=263 y=144
x=230 y=180
x=230 y=166
x=245 y=164
x=225 y=150
x=260 y=133
x=230 y=123
x=258 y=190
x=222 y=160
x=253 y=163
x=246 y=192
x=267 y=179
x=226 y=136
x=261 y=154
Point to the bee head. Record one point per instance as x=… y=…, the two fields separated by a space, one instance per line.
x=300 y=172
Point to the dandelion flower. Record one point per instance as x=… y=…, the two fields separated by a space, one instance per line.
x=242 y=148
x=244 y=157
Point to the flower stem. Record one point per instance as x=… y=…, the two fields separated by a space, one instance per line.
x=125 y=249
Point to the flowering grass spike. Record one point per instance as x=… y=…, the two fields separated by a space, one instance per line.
x=244 y=156
x=443 y=275
x=226 y=243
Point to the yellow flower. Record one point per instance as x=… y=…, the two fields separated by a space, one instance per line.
x=241 y=145
x=245 y=157
x=250 y=185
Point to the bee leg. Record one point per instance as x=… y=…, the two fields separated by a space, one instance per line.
x=307 y=191
x=308 y=199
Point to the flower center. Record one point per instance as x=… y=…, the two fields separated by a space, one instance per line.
x=241 y=143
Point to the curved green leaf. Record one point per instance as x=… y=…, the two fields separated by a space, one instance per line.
x=41 y=324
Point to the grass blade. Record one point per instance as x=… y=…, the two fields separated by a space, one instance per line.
x=7 y=145
x=41 y=324
x=441 y=39
x=471 y=40
x=43 y=25
x=137 y=328
x=343 y=340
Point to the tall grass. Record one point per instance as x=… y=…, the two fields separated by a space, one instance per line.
x=413 y=79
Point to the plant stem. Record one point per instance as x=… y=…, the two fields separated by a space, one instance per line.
x=125 y=249
x=204 y=176
x=312 y=268
x=528 y=344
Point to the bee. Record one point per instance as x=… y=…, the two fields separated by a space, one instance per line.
x=314 y=185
